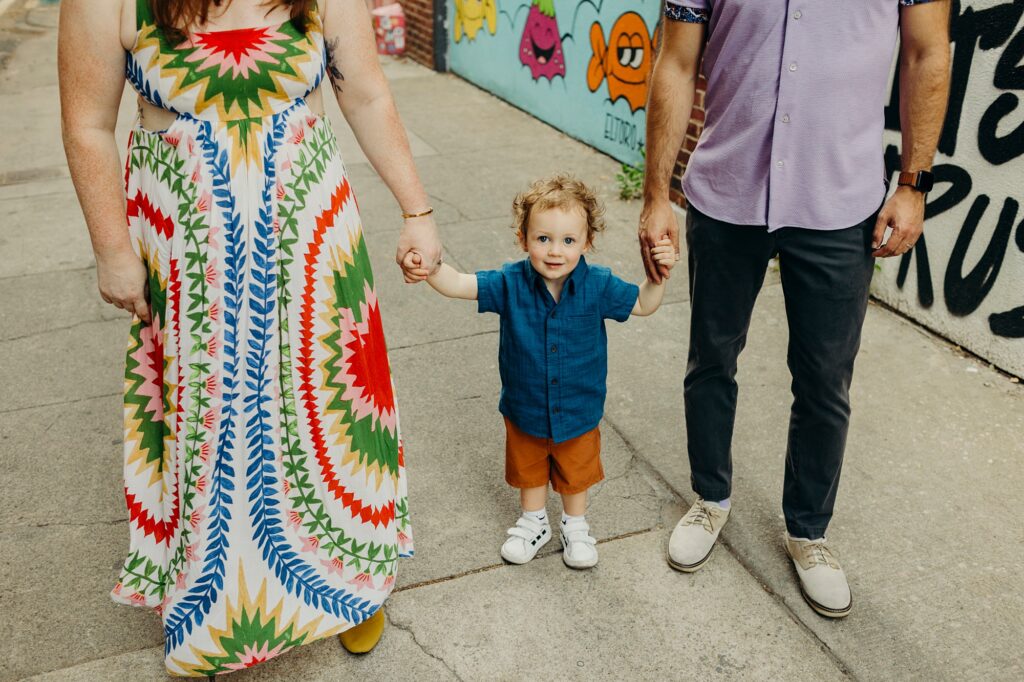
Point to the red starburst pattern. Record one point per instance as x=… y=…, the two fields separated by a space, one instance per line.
x=366 y=373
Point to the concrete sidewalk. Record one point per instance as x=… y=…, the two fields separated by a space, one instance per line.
x=928 y=518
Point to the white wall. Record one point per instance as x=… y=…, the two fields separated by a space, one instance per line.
x=967 y=282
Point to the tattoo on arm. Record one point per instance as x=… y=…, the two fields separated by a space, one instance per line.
x=332 y=64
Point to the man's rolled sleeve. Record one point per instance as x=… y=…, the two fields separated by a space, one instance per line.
x=688 y=11
x=618 y=299
x=491 y=291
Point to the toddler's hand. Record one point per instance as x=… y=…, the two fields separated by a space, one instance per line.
x=664 y=254
x=412 y=268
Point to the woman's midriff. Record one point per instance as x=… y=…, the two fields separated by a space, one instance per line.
x=156 y=119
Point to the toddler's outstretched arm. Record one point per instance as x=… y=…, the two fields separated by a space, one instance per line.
x=651 y=294
x=447 y=280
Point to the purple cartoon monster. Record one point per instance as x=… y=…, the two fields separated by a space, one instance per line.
x=541 y=47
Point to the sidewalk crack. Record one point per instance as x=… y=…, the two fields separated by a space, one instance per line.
x=59 y=403
x=437 y=341
x=58 y=524
x=657 y=480
x=65 y=328
x=422 y=647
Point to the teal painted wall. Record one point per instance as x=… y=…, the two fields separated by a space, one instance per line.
x=551 y=58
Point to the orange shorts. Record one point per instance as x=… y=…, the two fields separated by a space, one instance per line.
x=571 y=466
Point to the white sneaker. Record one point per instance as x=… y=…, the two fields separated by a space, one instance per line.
x=579 y=548
x=525 y=540
x=822 y=580
x=694 y=536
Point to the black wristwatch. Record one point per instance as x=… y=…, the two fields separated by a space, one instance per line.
x=922 y=181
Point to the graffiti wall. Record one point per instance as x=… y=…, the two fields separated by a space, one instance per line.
x=580 y=65
x=965 y=278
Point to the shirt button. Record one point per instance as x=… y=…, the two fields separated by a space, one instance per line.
x=554 y=382
x=785 y=118
x=554 y=348
x=552 y=314
x=780 y=164
x=792 y=67
x=556 y=410
x=797 y=14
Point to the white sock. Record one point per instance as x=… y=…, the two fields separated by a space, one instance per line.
x=724 y=504
x=540 y=516
x=566 y=518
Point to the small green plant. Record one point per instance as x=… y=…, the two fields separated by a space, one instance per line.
x=631 y=179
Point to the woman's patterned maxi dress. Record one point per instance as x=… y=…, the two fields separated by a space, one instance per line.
x=264 y=473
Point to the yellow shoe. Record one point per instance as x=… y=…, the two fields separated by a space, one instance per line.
x=361 y=639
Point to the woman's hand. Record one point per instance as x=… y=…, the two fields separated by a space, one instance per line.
x=419 y=235
x=122 y=281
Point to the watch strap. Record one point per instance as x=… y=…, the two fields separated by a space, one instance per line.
x=922 y=181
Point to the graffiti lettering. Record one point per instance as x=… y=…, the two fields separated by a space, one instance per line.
x=972 y=30
x=621 y=131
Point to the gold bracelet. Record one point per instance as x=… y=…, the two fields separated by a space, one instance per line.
x=406 y=216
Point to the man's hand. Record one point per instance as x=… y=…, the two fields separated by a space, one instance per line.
x=904 y=213
x=419 y=235
x=657 y=224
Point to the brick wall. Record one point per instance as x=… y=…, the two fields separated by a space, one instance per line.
x=419 y=30
x=693 y=131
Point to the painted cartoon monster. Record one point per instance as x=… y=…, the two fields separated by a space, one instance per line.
x=625 y=61
x=541 y=46
x=470 y=16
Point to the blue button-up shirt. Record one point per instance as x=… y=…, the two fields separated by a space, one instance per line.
x=794 y=109
x=553 y=357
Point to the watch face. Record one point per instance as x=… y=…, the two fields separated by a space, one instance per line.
x=925 y=181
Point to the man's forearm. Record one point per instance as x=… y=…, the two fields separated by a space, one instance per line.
x=924 y=91
x=668 y=112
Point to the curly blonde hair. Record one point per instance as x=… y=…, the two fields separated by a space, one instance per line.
x=563 y=191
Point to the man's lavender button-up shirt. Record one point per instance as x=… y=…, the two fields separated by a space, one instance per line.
x=793 y=111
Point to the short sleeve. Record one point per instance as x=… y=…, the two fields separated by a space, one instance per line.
x=618 y=298
x=688 y=11
x=491 y=292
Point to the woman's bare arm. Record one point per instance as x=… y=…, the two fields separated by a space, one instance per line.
x=90 y=64
x=365 y=100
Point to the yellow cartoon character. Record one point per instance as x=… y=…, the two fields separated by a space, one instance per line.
x=625 y=61
x=470 y=16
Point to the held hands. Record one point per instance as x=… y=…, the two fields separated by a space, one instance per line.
x=419 y=236
x=122 y=283
x=904 y=213
x=413 y=269
x=663 y=257
x=658 y=223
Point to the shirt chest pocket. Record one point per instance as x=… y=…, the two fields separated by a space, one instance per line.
x=581 y=335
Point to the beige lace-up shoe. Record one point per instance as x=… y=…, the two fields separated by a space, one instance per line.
x=694 y=536
x=822 y=580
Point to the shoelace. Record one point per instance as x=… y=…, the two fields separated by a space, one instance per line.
x=818 y=554
x=702 y=515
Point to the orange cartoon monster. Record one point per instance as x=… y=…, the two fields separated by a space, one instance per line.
x=625 y=61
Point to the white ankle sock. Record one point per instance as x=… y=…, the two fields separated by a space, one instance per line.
x=724 y=504
x=566 y=518
x=540 y=516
